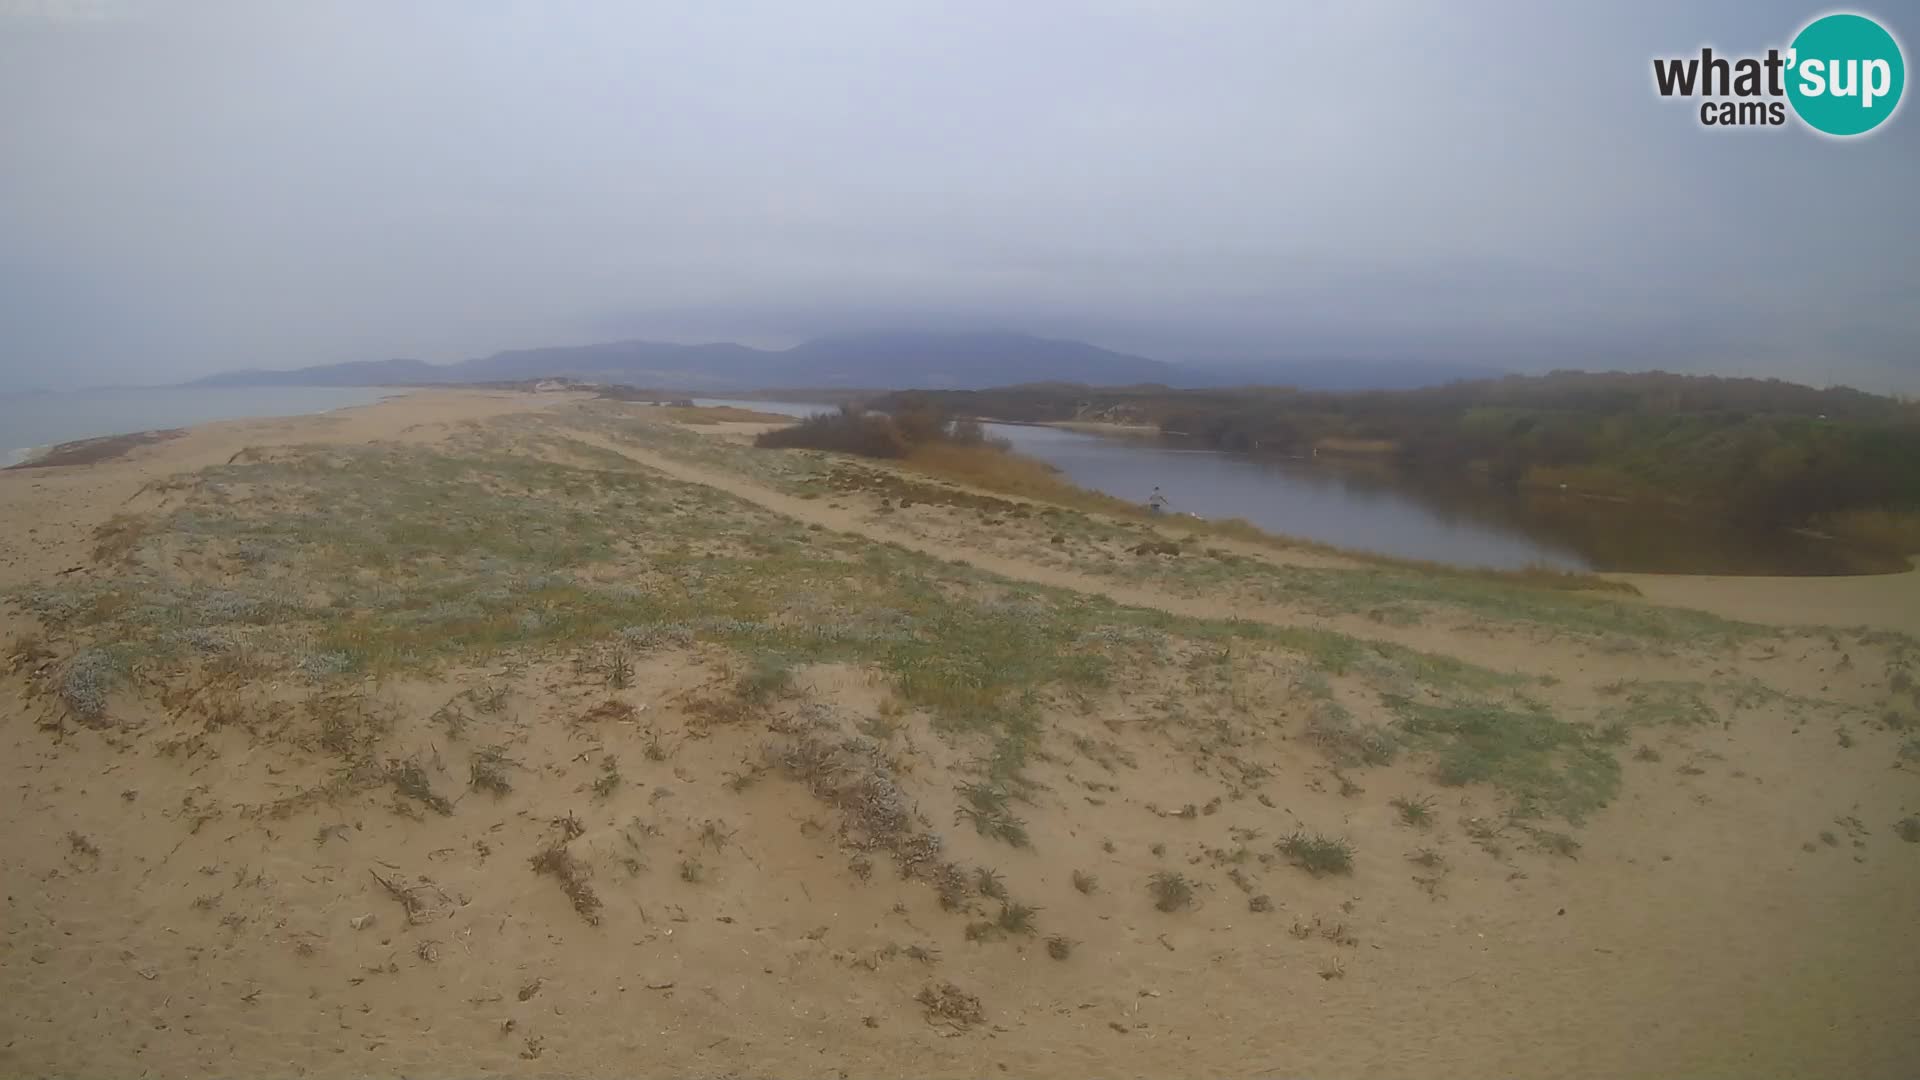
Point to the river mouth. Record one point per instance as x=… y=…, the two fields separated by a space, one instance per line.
x=1373 y=507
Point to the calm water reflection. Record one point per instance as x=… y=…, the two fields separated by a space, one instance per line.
x=1366 y=510
x=1378 y=509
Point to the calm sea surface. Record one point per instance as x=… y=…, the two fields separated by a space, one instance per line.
x=29 y=422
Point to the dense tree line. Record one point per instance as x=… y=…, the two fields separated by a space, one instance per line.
x=1761 y=449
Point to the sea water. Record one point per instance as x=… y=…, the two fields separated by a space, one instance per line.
x=34 y=421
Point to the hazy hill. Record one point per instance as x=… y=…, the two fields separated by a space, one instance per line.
x=903 y=360
x=1347 y=373
x=357 y=373
x=966 y=360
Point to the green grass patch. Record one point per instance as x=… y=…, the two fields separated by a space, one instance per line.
x=1415 y=812
x=1662 y=703
x=1317 y=854
x=336 y=563
x=1543 y=764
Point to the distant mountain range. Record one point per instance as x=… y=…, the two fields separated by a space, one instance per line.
x=893 y=361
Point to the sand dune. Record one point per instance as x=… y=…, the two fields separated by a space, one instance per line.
x=471 y=732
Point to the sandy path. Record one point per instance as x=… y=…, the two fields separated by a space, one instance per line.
x=1498 y=647
x=867 y=525
x=1883 y=601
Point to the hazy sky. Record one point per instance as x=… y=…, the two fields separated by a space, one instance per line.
x=190 y=187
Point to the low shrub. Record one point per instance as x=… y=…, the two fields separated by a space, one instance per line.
x=849 y=431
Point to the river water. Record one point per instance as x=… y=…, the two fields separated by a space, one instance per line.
x=1376 y=508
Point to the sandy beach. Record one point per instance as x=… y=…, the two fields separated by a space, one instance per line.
x=472 y=733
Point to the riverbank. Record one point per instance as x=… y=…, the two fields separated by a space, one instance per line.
x=1747 y=451
x=502 y=729
x=1364 y=504
x=1098 y=427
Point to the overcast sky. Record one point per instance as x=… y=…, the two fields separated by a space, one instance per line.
x=192 y=187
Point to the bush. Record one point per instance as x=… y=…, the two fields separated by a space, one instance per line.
x=849 y=431
x=89 y=677
x=967 y=431
x=1171 y=891
x=921 y=422
x=914 y=423
x=1318 y=855
x=1896 y=532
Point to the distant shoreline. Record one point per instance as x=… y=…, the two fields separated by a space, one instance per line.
x=1099 y=426
x=99 y=448
x=34 y=428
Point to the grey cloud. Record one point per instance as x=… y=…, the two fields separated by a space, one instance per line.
x=190 y=187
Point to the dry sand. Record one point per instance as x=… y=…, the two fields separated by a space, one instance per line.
x=1886 y=601
x=185 y=895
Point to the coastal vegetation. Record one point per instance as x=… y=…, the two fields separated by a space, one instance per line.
x=600 y=695
x=1763 y=452
x=922 y=438
x=897 y=433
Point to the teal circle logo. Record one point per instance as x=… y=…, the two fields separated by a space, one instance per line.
x=1845 y=74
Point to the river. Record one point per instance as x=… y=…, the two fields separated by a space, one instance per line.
x=1371 y=507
